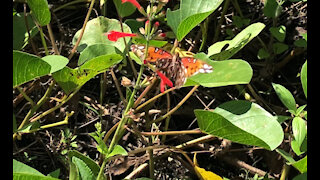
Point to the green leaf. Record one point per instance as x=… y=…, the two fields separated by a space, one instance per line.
x=285 y=96
x=300 y=109
x=242 y=122
x=263 y=54
x=240 y=22
x=27 y=67
x=26 y=176
x=190 y=14
x=124 y=9
x=40 y=11
x=55 y=173
x=279 y=48
x=95 y=33
x=286 y=156
x=56 y=62
x=28 y=127
x=278 y=32
x=217 y=52
x=304 y=78
x=20 y=34
x=117 y=150
x=86 y=166
x=228 y=72
x=155 y=43
x=134 y=25
x=299 y=130
x=71 y=79
x=281 y=119
x=96 y=50
x=19 y=167
x=135 y=57
x=300 y=43
x=301 y=176
x=73 y=171
x=301 y=165
x=272 y=8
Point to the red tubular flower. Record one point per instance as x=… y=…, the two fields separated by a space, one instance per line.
x=134 y=2
x=164 y=81
x=115 y=35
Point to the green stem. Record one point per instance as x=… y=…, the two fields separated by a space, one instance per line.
x=100 y=175
x=224 y=11
x=175 y=108
x=43 y=40
x=82 y=30
x=35 y=108
x=25 y=96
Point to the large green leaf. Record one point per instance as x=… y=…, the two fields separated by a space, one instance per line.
x=124 y=9
x=20 y=34
x=96 y=50
x=301 y=165
x=56 y=62
x=285 y=96
x=304 y=78
x=24 y=172
x=27 y=67
x=71 y=79
x=95 y=33
x=40 y=11
x=228 y=72
x=272 y=8
x=242 y=122
x=190 y=14
x=217 y=51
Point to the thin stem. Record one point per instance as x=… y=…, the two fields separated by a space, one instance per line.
x=28 y=30
x=167 y=122
x=82 y=30
x=126 y=48
x=25 y=96
x=171 y=132
x=101 y=169
x=66 y=99
x=34 y=109
x=154 y=98
x=224 y=11
x=68 y=4
x=43 y=40
x=144 y=93
x=54 y=45
x=117 y=86
x=175 y=108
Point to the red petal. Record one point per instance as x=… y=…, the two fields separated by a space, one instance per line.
x=162 y=86
x=115 y=35
x=165 y=80
x=134 y=2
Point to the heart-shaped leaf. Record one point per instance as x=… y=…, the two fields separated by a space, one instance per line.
x=272 y=8
x=304 y=78
x=71 y=79
x=242 y=122
x=228 y=72
x=95 y=33
x=278 y=32
x=27 y=67
x=56 y=62
x=190 y=14
x=40 y=11
x=96 y=50
x=20 y=34
x=218 y=51
x=279 y=48
x=124 y=9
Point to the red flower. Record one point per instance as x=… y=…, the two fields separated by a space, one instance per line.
x=156 y=24
x=164 y=81
x=115 y=35
x=134 y=2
